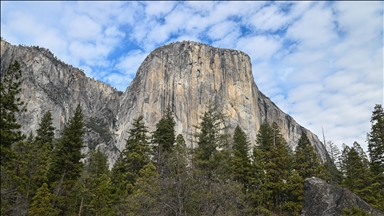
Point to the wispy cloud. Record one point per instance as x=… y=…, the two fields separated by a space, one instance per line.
x=322 y=62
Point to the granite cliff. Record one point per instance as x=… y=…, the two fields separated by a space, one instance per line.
x=50 y=84
x=186 y=75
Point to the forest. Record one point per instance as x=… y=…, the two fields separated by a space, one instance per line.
x=157 y=174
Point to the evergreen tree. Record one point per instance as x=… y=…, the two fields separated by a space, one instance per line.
x=306 y=160
x=42 y=202
x=164 y=136
x=358 y=177
x=376 y=146
x=34 y=157
x=66 y=166
x=45 y=132
x=278 y=159
x=210 y=137
x=332 y=164
x=94 y=187
x=143 y=200
x=131 y=160
x=258 y=195
x=241 y=164
x=10 y=87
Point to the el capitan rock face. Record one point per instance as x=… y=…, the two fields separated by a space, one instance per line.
x=322 y=199
x=186 y=75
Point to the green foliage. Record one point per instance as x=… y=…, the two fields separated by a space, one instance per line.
x=42 y=202
x=210 y=138
x=277 y=158
x=66 y=166
x=376 y=154
x=354 y=211
x=10 y=87
x=376 y=141
x=163 y=137
x=94 y=187
x=241 y=163
x=45 y=132
x=258 y=194
x=131 y=160
x=306 y=160
x=143 y=199
x=331 y=165
x=358 y=176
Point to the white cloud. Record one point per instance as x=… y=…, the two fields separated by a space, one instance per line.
x=130 y=63
x=220 y=30
x=259 y=47
x=269 y=18
x=315 y=29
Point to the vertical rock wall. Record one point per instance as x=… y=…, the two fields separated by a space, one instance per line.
x=187 y=75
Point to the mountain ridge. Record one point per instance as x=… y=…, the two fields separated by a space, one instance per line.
x=185 y=74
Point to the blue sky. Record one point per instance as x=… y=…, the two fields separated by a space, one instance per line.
x=321 y=62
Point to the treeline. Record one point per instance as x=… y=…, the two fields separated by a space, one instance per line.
x=157 y=174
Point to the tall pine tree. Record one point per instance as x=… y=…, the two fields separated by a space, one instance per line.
x=376 y=145
x=10 y=87
x=10 y=102
x=131 y=160
x=66 y=166
x=241 y=163
x=163 y=137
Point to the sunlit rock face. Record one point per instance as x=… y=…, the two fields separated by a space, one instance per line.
x=185 y=75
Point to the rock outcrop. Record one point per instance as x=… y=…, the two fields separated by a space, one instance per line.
x=322 y=199
x=49 y=84
x=185 y=75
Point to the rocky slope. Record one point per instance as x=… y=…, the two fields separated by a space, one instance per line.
x=49 y=84
x=186 y=75
x=331 y=200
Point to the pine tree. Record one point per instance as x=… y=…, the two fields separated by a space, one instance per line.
x=42 y=202
x=376 y=148
x=306 y=164
x=332 y=164
x=306 y=160
x=258 y=195
x=358 y=177
x=241 y=164
x=66 y=166
x=143 y=200
x=164 y=136
x=45 y=132
x=94 y=187
x=278 y=159
x=131 y=160
x=210 y=137
x=36 y=156
x=10 y=87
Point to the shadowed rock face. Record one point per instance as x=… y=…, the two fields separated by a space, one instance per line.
x=322 y=199
x=49 y=84
x=186 y=75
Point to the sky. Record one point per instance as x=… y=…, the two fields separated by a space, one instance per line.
x=320 y=62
